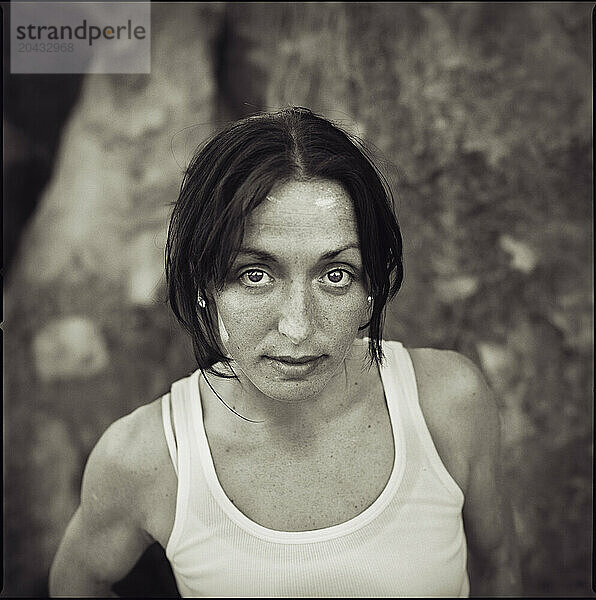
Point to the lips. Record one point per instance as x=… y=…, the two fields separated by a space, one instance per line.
x=296 y=360
x=295 y=367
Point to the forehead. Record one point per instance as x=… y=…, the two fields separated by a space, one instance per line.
x=315 y=212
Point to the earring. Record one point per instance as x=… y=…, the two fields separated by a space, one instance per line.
x=200 y=301
x=369 y=299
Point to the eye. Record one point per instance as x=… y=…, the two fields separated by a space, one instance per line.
x=338 y=277
x=255 y=278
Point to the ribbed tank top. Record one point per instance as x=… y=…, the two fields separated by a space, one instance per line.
x=409 y=542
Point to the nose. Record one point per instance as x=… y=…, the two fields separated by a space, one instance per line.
x=295 y=321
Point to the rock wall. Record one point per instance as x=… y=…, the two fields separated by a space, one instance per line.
x=480 y=116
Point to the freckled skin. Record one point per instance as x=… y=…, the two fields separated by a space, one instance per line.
x=297 y=303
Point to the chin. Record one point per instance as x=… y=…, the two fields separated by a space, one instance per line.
x=291 y=392
x=293 y=384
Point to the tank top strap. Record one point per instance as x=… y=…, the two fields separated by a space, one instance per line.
x=168 y=430
x=180 y=399
x=416 y=419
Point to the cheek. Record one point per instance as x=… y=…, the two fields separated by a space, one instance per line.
x=241 y=325
x=223 y=332
x=341 y=319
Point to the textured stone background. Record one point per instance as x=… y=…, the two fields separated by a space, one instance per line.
x=480 y=115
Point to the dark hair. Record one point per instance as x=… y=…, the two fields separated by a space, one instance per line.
x=232 y=174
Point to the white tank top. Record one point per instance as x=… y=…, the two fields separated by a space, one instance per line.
x=409 y=542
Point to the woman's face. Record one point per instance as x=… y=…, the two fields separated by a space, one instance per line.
x=295 y=296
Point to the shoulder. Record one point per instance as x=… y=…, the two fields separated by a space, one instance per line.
x=129 y=444
x=461 y=382
x=457 y=404
x=122 y=467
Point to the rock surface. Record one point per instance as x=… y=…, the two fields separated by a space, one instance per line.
x=69 y=348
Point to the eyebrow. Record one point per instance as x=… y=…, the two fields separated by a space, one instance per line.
x=267 y=257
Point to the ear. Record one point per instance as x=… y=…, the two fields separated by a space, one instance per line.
x=365 y=321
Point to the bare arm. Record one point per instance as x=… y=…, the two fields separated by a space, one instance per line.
x=105 y=537
x=494 y=558
x=464 y=422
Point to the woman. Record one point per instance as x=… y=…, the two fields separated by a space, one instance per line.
x=299 y=459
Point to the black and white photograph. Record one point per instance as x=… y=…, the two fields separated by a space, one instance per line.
x=298 y=299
